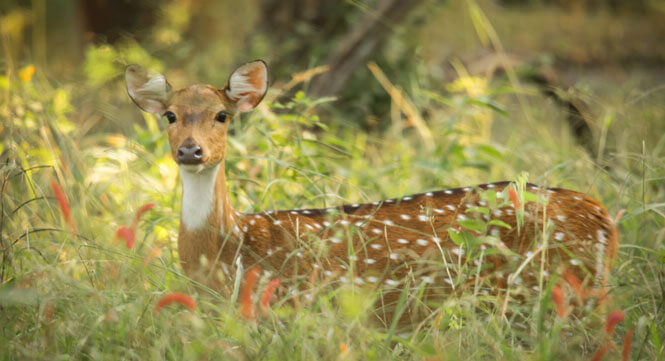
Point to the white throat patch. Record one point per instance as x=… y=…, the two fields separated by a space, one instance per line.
x=198 y=194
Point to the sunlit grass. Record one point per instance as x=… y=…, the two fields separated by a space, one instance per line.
x=73 y=285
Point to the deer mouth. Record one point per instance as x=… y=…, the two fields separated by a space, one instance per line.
x=196 y=168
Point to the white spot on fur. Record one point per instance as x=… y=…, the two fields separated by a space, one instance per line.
x=558 y=236
x=390 y=282
x=377 y=230
x=458 y=251
x=376 y=245
x=370 y=261
x=394 y=256
x=601 y=236
x=402 y=241
x=429 y=194
x=389 y=222
x=439 y=211
x=450 y=207
x=405 y=217
x=422 y=218
x=422 y=242
x=448 y=191
x=372 y=279
x=436 y=240
x=335 y=240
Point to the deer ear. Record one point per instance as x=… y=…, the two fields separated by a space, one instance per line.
x=247 y=85
x=150 y=91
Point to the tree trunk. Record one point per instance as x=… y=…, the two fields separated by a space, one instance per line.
x=358 y=46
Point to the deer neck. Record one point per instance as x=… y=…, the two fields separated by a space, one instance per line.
x=205 y=201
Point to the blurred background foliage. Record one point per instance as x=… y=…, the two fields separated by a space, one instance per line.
x=369 y=99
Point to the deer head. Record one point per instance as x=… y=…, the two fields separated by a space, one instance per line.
x=198 y=116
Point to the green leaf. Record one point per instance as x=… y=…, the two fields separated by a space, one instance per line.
x=473 y=224
x=456 y=237
x=482 y=210
x=496 y=222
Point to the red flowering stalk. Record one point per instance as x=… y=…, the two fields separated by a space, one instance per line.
x=63 y=203
x=247 y=309
x=175 y=297
x=619 y=215
x=612 y=320
x=269 y=293
x=559 y=299
x=139 y=214
x=626 y=344
x=575 y=284
x=513 y=197
x=343 y=349
x=127 y=234
x=601 y=352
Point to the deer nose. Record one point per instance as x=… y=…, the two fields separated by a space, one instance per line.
x=190 y=154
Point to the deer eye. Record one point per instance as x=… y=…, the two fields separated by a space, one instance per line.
x=170 y=117
x=221 y=116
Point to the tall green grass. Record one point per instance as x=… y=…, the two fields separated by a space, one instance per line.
x=79 y=292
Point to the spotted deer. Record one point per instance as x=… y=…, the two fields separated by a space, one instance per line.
x=445 y=239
